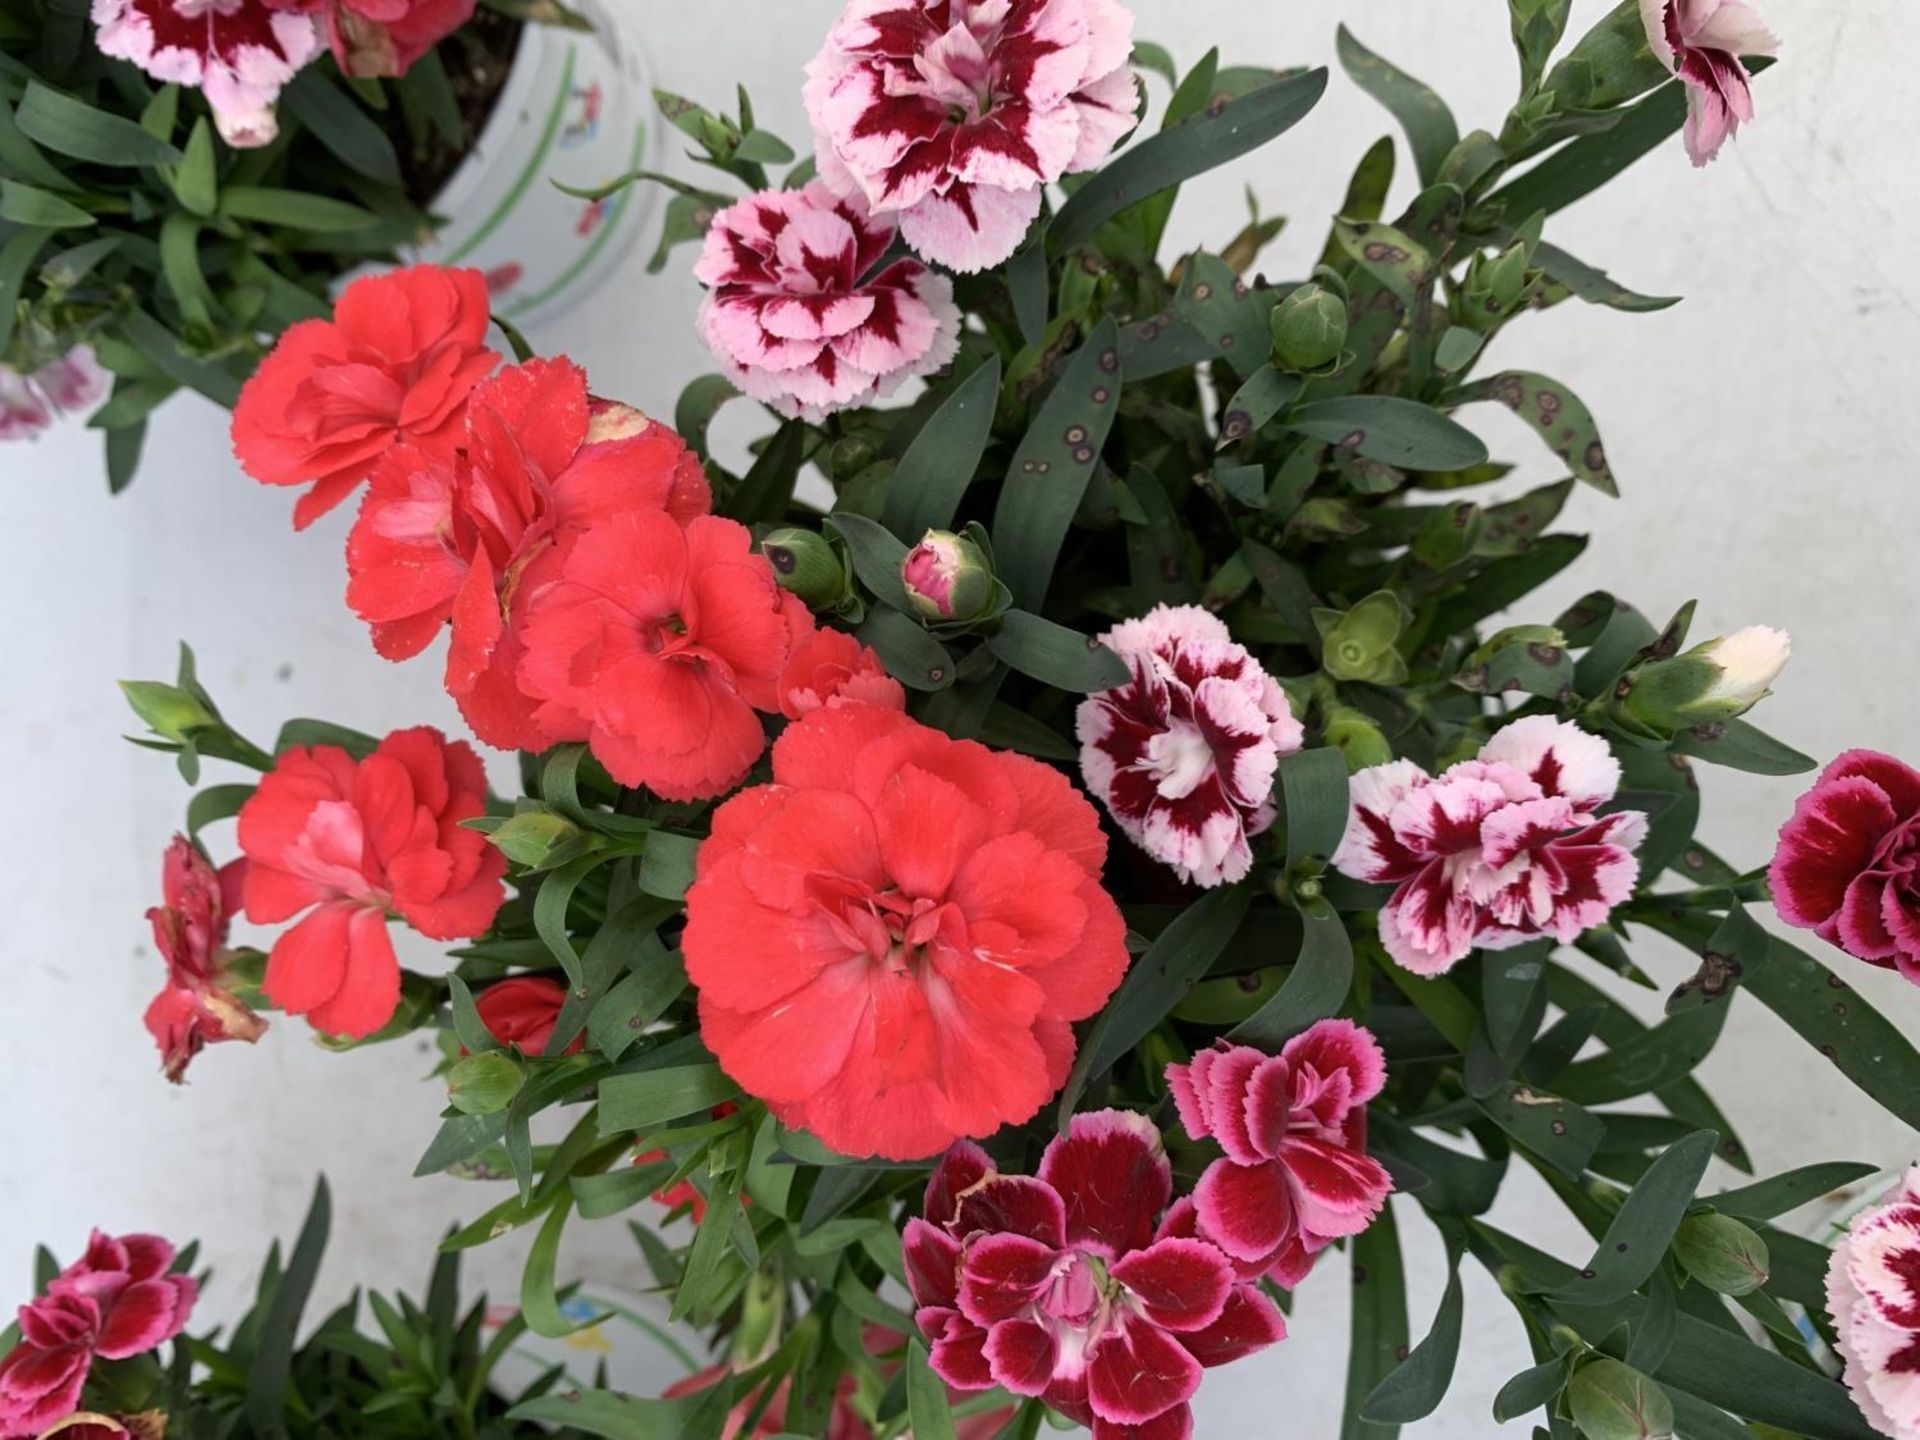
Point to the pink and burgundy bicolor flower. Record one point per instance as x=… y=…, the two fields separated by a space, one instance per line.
x=1496 y=851
x=1061 y=1284
x=239 y=52
x=1296 y=1174
x=806 y=312
x=1183 y=755
x=952 y=114
x=1701 y=41
x=118 y=1300
x=1873 y=1297
x=1848 y=863
x=66 y=385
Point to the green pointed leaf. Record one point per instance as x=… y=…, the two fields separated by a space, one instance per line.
x=934 y=473
x=1556 y=415
x=1049 y=472
x=693 y=412
x=1196 y=145
x=72 y=127
x=1264 y=395
x=1671 y=1051
x=1431 y=129
x=1419 y=1383
x=927 y=1397
x=1765 y=1199
x=1055 y=655
x=1177 y=959
x=342 y=125
x=294 y=209
x=1396 y=432
x=877 y=553
x=1644 y=1225
x=1313 y=789
x=27 y=205
x=1742 y=746
x=1558 y=1131
x=911 y=655
x=272 y=1367
x=1377 y=1323
x=1534 y=1389
x=766 y=489
x=1596 y=287
x=648 y=1099
x=1318 y=985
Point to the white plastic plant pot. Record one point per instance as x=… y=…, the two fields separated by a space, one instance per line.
x=575 y=109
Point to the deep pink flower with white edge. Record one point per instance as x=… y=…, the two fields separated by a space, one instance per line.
x=1496 y=851
x=239 y=52
x=118 y=1300
x=1062 y=1285
x=805 y=311
x=1296 y=1174
x=1701 y=41
x=1873 y=1297
x=31 y=402
x=1183 y=755
x=953 y=114
x=1848 y=863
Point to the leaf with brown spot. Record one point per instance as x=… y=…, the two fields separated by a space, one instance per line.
x=1556 y=415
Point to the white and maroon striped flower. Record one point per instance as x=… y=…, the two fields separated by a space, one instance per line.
x=239 y=52
x=1496 y=851
x=806 y=313
x=1183 y=755
x=954 y=113
x=1873 y=1295
x=1061 y=1285
x=1296 y=1175
x=1701 y=42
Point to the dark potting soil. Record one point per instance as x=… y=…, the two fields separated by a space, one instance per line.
x=477 y=58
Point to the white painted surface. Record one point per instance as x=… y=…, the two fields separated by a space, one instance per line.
x=1763 y=437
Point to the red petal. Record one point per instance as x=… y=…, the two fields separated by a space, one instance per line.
x=1835 y=830
x=1013 y=1204
x=1336 y=1191
x=932 y=1258
x=1249 y=1321
x=1113 y=1175
x=1247 y=1210
x=1181 y=1284
x=1022 y=1355
x=962 y=1167
x=1174 y=1424
x=1000 y=1275
x=1139 y=1372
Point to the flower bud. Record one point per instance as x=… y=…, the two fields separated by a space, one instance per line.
x=1359 y=644
x=947 y=578
x=806 y=563
x=1722 y=1254
x=1309 y=329
x=537 y=839
x=169 y=711
x=1357 y=738
x=485 y=1083
x=1613 y=1401
x=1709 y=683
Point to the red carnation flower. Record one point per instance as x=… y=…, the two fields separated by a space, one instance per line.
x=830 y=667
x=657 y=645
x=1848 y=863
x=118 y=1300
x=351 y=841
x=1062 y=1286
x=803 y=313
x=522 y=1010
x=194 y=1008
x=472 y=536
x=1294 y=1125
x=892 y=940
x=382 y=37
x=394 y=366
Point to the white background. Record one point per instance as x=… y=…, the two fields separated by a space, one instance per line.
x=1764 y=438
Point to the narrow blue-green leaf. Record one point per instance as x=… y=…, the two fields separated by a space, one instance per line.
x=1377 y=1324
x=294 y=209
x=267 y=1377
x=877 y=552
x=28 y=205
x=1431 y=129
x=1263 y=395
x=1554 y=413
x=72 y=127
x=539 y=1297
x=1049 y=472
x=342 y=125
x=468 y=1027
x=1056 y=655
x=933 y=475
x=1196 y=145
x=1176 y=960
x=911 y=655
x=634 y=1104
x=1740 y=745
x=1027 y=282
x=1313 y=789
x=1393 y=431
x=1533 y=1389
x=1643 y=1226
x=927 y=1397
x=1319 y=985
x=1765 y=1199
x=1415 y=1388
